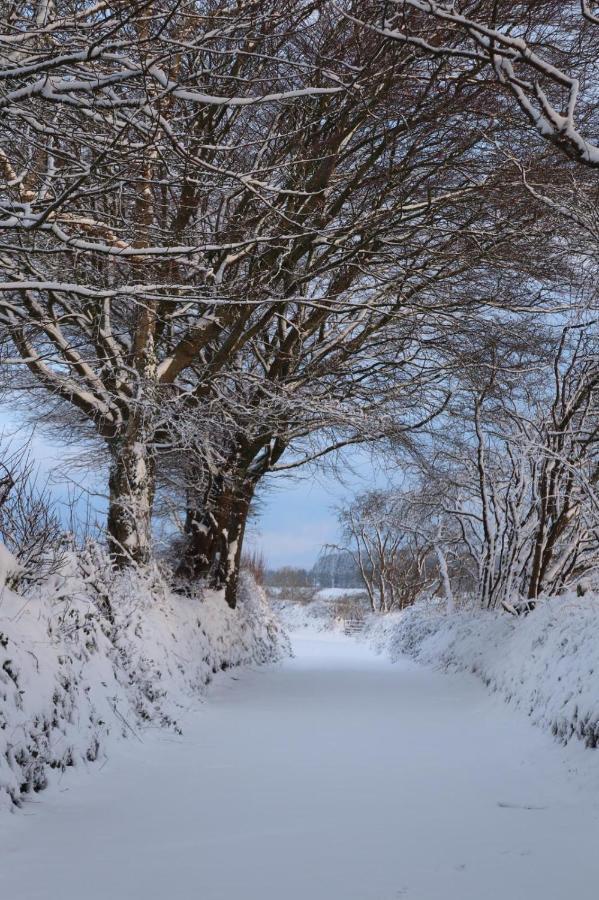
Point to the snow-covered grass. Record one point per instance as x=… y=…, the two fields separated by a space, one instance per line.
x=315 y=615
x=546 y=663
x=84 y=661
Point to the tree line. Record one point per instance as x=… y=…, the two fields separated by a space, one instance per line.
x=239 y=237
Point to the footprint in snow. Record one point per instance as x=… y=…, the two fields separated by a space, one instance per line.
x=518 y=805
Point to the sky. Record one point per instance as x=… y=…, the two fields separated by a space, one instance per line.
x=296 y=513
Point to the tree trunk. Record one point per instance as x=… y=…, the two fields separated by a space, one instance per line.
x=215 y=537
x=132 y=472
x=131 y=489
x=442 y=561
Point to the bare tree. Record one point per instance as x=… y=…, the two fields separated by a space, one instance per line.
x=29 y=524
x=543 y=53
x=520 y=483
x=215 y=214
x=539 y=58
x=122 y=172
x=390 y=551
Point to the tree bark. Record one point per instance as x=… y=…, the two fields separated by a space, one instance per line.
x=442 y=561
x=131 y=490
x=214 y=537
x=132 y=472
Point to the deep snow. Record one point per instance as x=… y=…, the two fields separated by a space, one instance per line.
x=545 y=663
x=75 y=677
x=333 y=776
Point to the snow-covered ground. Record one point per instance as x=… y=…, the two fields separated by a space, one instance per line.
x=76 y=676
x=336 y=775
x=340 y=593
x=546 y=663
x=319 y=610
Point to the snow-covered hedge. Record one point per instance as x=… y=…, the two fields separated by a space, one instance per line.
x=77 y=671
x=546 y=663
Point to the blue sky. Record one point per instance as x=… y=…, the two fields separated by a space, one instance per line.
x=297 y=512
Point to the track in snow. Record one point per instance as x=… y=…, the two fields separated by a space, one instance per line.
x=336 y=776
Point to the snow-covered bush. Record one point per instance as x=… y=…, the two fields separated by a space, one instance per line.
x=546 y=663
x=76 y=672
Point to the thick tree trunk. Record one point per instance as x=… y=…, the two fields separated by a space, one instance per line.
x=217 y=517
x=215 y=537
x=131 y=489
x=132 y=472
x=202 y=526
x=230 y=556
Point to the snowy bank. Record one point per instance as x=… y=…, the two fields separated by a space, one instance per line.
x=86 y=660
x=546 y=663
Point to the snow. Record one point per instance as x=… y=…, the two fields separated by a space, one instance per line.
x=336 y=775
x=546 y=663
x=321 y=610
x=340 y=593
x=74 y=679
x=316 y=615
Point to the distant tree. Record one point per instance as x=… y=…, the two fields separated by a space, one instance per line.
x=392 y=557
x=289 y=577
x=336 y=569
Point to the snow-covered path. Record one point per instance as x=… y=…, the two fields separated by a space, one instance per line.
x=336 y=776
